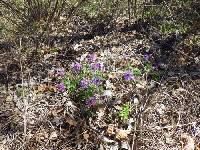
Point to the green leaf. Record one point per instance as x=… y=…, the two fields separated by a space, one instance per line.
x=148 y=67
x=71 y=85
x=124 y=113
x=137 y=72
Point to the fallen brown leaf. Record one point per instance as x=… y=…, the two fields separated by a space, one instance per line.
x=53 y=135
x=121 y=134
x=86 y=136
x=70 y=121
x=117 y=107
x=110 y=129
x=197 y=147
x=188 y=142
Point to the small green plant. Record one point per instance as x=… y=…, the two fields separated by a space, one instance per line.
x=124 y=113
x=84 y=80
x=71 y=85
x=137 y=72
x=92 y=8
x=130 y=72
x=148 y=67
x=172 y=27
x=98 y=8
x=54 y=49
x=150 y=13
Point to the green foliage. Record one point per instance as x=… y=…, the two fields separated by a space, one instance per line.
x=97 y=8
x=21 y=91
x=85 y=94
x=192 y=41
x=92 y=8
x=150 y=13
x=124 y=113
x=83 y=81
x=172 y=27
x=32 y=17
x=176 y=16
x=137 y=72
x=155 y=75
x=2 y=28
x=148 y=67
x=54 y=49
x=156 y=13
x=71 y=85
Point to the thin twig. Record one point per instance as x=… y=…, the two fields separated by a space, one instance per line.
x=23 y=94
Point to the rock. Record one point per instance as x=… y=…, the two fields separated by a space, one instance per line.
x=108 y=93
x=53 y=135
x=125 y=146
x=121 y=134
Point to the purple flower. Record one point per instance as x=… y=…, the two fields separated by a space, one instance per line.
x=97 y=66
x=147 y=57
x=91 y=101
x=91 y=57
x=76 y=66
x=60 y=72
x=61 y=87
x=96 y=81
x=128 y=75
x=84 y=83
x=155 y=66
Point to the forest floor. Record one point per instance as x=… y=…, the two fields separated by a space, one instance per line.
x=157 y=109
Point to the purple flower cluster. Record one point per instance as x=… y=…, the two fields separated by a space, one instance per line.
x=97 y=66
x=147 y=56
x=91 y=101
x=60 y=72
x=128 y=75
x=60 y=87
x=155 y=66
x=96 y=81
x=84 y=83
x=91 y=58
x=76 y=66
